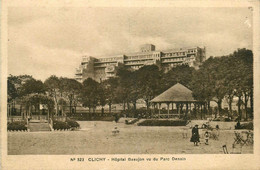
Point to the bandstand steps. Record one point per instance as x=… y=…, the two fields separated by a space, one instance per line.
x=39 y=126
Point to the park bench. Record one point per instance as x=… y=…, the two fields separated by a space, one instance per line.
x=238 y=138
x=244 y=138
x=249 y=137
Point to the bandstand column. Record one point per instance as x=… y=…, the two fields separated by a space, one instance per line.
x=187 y=109
x=177 y=107
x=168 y=107
x=153 y=109
x=159 y=109
x=179 y=110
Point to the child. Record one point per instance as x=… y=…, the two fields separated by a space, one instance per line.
x=184 y=132
x=206 y=135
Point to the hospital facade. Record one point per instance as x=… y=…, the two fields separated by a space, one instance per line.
x=100 y=69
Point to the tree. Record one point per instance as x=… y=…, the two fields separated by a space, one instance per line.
x=148 y=83
x=53 y=86
x=89 y=94
x=243 y=59
x=70 y=90
x=225 y=77
x=208 y=82
x=102 y=97
x=202 y=83
x=109 y=91
x=133 y=95
x=11 y=95
x=218 y=73
x=125 y=83
x=11 y=90
x=15 y=86
x=179 y=74
x=32 y=86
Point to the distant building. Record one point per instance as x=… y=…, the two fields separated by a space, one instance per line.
x=103 y=68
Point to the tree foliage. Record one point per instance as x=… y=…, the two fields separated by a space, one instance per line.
x=226 y=77
x=89 y=93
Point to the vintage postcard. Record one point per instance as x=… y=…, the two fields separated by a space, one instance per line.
x=130 y=85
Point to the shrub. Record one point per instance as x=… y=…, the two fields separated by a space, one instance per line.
x=248 y=126
x=18 y=125
x=163 y=123
x=72 y=124
x=92 y=117
x=129 y=122
x=59 y=125
x=69 y=124
x=137 y=113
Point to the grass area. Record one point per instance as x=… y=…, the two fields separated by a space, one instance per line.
x=95 y=137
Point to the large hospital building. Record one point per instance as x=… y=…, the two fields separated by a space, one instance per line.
x=103 y=68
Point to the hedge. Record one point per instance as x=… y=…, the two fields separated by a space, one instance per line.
x=69 y=124
x=248 y=126
x=137 y=113
x=73 y=123
x=92 y=117
x=163 y=123
x=17 y=125
x=129 y=122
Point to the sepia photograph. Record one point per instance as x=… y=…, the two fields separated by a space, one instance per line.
x=139 y=80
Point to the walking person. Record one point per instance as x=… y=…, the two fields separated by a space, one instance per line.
x=195 y=138
x=116 y=117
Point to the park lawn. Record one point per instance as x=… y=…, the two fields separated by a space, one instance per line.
x=95 y=137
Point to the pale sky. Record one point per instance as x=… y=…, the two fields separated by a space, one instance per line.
x=51 y=41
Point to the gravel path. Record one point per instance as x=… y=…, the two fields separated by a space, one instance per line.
x=97 y=138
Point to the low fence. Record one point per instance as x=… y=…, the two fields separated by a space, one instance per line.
x=59 y=118
x=98 y=111
x=166 y=116
x=39 y=117
x=14 y=118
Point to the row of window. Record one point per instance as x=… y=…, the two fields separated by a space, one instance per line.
x=139 y=57
x=134 y=62
x=175 y=54
x=174 y=59
x=109 y=59
x=105 y=64
x=192 y=51
x=142 y=56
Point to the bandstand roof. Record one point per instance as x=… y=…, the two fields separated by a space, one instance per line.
x=177 y=93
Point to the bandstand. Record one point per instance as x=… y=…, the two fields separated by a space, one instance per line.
x=179 y=102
